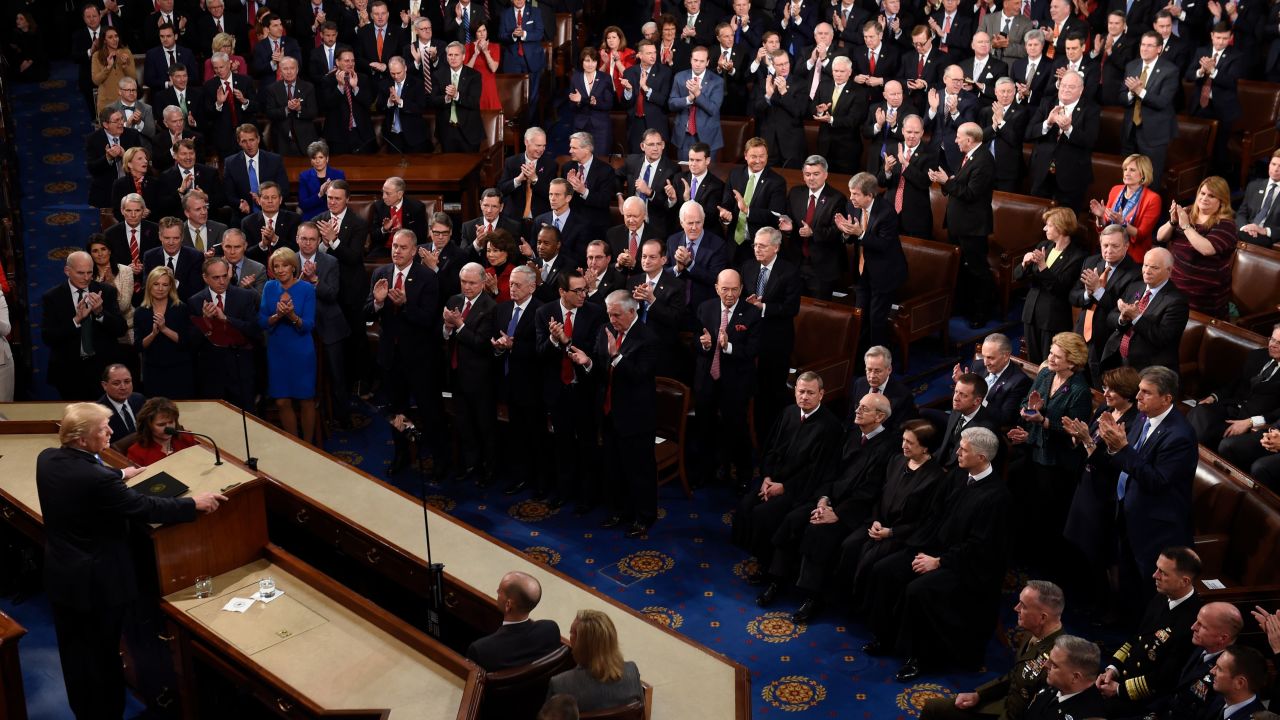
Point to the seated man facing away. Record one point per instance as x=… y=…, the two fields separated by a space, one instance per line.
x=520 y=640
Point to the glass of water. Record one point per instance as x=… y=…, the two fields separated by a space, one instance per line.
x=267 y=588
x=204 y=586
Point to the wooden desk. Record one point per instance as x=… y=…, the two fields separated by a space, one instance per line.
x=449 y=174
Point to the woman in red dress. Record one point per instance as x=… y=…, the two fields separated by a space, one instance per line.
x=502 y=254
x=156 y=416
x=615 y=56
x=482 y=56
x=1132 y=204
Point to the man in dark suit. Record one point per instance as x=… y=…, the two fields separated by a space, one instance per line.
x=119 y=397
x=953 y=29
x=1150 y=116
x=346 y=96
x=324 y=58
x=815 y=243
x=199 y=231
x=1248 y=403
x=575 y=228
x=216 y=20
x=291 y=105
x=773 y=285
x=1062 y=24
x=1004 y=125
x=80 y=325
x=730 y=61
x=521 y=31
x=981 y=70
x=1214 y=72
x=967 y=410
x=159 y=59
x=456 y=98
x=1146 y=327
x=343 y=235
x=1240 y=677
x=839 y=108
x=697 y=183
x=404 y=129
x=84 y=40
x=185 y=262
x=403 y=298
x=646 y=86
x=1112 y=54
x=569 y=391
x=309 y=20
x=491 y=218
x=1105 y=278
x=601 y=276
x=549 y=262
x=646 y=175
x=1034 y=74
x=395 y=211
x=229 y=101
x=517 y=375
x=1069 y=682
x=461 y=18
x=181 y=92
x=186 y=175
x=697 y=23
x=874 y=63
x=697 y=256
x=728 y=341
x=172 y=129
x=526 y=178
x=877 y=379
x=1217 y=626
x=519 y=640
x=1258 y=217
x=1171 y=46
x=321 y=270
x=1073 y=59
x=662 y=307
x=1007 y=386
x=949 y=108
x=871 y=227
x=921 y=70
x=594 y=185
x=1064 y=133
x=104 y=152
x=378 y=41
x=969 y=220
x=244 y=172
x=754 y=196
x=883 y=126
x=271 y=51
x=271 y=227
x=131 y=238
x=625 y=359
x=225 y=371
x=904 y=174
x=625 y=240
x=88 y=570
x=468 y=329
x=781 y=105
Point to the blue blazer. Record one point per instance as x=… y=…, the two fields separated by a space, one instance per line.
x=1157 y=498
x=533 y=60
x=700 y=279
x=310 y=204
x=594 y=118
x=155 y=69
x=707 y=107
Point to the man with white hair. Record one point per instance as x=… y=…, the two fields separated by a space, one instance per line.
x=229 y=100
x=291 y=105
x=468 y=329
x=137 y=114
x=404 y=129
x=172 y=130
x=80 y=324
x=526 y=177
x=934 y=602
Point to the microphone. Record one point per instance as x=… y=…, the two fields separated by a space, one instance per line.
x=173 y=432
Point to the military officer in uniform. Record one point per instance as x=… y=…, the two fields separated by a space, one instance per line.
x=1069 y=690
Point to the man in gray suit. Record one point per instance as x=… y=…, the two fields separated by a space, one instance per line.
x=1007 y=29
x=245 y=273
x=321 y=270
x=137 y=114
x=1150 y=118
x=199 y=231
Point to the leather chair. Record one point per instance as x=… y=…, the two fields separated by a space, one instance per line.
x=513 y=93
x=1242 y=548
x=124 y=443
x=635 y=710
x=1254 y=136
x=1187 y=158
x=1211 y=354
x=736 y=132
x=827 y=343
x=1254 y=287
x=492 y=146
x=106 y=219
x=1215 y=494
x=517 y=693
x=618 y=126
x=924 y=301
x=674 y=403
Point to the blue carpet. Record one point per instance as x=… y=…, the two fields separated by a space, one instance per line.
x=686 y=575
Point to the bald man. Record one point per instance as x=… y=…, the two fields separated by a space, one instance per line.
x=727 y=342
x=1147 y=326
x=519 y=641
x=80 y=325
x=969 y=187
x=1216 y=628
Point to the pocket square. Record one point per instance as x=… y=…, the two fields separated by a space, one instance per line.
x=740 y=328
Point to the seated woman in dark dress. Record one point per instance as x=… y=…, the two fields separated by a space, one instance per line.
x=157 y=415
x=602 y=679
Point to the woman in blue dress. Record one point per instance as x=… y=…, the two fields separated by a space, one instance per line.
x=161 y=328
x=312 y=182
x=287 y=313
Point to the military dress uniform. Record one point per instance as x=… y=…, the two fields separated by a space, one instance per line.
x=1194 y=692
x=1149 y=664
x=1048 y=704
x=1007 y=696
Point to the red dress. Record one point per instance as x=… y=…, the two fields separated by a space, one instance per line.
x=151 y=453
x=488 y=84
x=626 y=58
x=504 y=280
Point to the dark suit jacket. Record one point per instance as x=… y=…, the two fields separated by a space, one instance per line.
x=881 y=247
x=662 y=213
x=578 y=230
x=413 y=123
x=841 y=134
x=1159 y=106
x=666 y=316
x=737 y=368
x=934 y=64
x=780 y=119
x=188 y=272
x=957 y=42
x=468 y=103
x=1254 y=197
x=944 y=126
x=549 y=291
x=887 y=61
x=534 y=58
x=889 y=133
x=826 y=245
x=1246 y=395
x=629 y=385
x=1008 y=139
x=413 y=216
x=203 y=29
x=162 y=98
x=366 y=47
x=285 y=226
x=103 y=172
x=60 y=334
x=991 y=72
x=901 y=401
x=291 y=132
x=1178 y=51
x=969 y=196
x=218 y=125
x=1005 y=395
x=1041 y=85
x=235 y=177
x=513 y=194
x=162 y=147
x=1071 y=25
x=709 y=193
x=338 y=115
x=655 y=102
x=214 y=365
x=167 y=184
x=602 y=188
x=609 y=281
x=1119 y=285
x=587 y=321
x=1111 y=89
x=513 y=227
x=409 y=331
x=260 y=61
x=769 y=198
x=471 y=342
x=1048 y=304
x=117 y=237
x=781 y=305
x=350 y=256
x=1224 y=103
x=1156 y=334
x=916 y=217
x=155 y=69
x=331 y=326
x=519 y=371
x=87 y=512
x=318 y=62
x=118 y=428
x=453 y=26
x=515 y=645
x=713 y=255
x=619 y=239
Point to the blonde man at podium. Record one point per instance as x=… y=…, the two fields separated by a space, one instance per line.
x=88 y=573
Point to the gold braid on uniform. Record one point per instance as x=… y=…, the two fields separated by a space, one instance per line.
x=1136 y=688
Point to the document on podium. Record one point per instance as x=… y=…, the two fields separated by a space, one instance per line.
x=194 y=467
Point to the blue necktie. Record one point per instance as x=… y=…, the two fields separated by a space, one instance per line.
x=253 y=183
x=764 y=278
x=466 y=24
x=511 y=332
x=647 y=167
x=1124 y=476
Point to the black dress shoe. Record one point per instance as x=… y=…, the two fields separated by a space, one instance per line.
x=514 y=488
x=611 y=521
x=910 y=671
x=636 y=530
x=770 y=593
x=875 y=649
x=807 y=610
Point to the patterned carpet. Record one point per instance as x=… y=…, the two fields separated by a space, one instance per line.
x=685 y=575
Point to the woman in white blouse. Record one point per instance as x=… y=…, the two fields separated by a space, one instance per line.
x=6 y=354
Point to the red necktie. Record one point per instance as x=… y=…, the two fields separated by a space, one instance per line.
x=351 y=105
x=1124 y=341
x=566 y=365
x=693 y=116
x=920 y=68
x=657 y=9
x=608 y=390
x=871 y=60
x=519 y=24
x=715 y=358
x=640 y=96
x=399 y=281
x=270 y=223
x=135 y=252
x=902 y=183
x=631 y=248
x=231 y=102
x=808 y=220
x=220 y=301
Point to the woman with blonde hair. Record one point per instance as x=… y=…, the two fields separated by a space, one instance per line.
x=139 y=178
x=1051 y=270
x=602 y=679
x=1132 y=205
x=288 y=313
x=110 y=61
x=1202 y=239
x=225 y=43
x=160 y=331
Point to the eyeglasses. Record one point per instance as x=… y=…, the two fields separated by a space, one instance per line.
x=578 y=291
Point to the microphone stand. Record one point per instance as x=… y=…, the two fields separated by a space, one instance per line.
x=217 y=456
x=435 y=570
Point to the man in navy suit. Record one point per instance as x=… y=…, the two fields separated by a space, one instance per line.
x=1034 y=74
x=244 y=172
x=728 y=341
x=871 y=226
x=645 y=176
x=229 y=101
x=378 y=41
x=625 y=360
x=576 y=230
x=1006 y=384
x=969 y=218
x=271 y=50
x=404 y=128
x=118 y=394
x=291 y=104
x=922 y=69
x=1063 y=133
x=1217 y=68
x=225 y=371
x=646 y=89
x=697 y=256
x=184 y=261
x=1150 y=115
x=953 y=29
x=80 y=326
x=521 y=32
x=696 y=95
x=949 y=108
x=1156 y=461
x=526 y=178
x=1147 y=327
x=104 y=149
x=754 y=197
x=781 y=105
x=594 y=186
x=155 y=70
x=517 y=374
x=1258 y=216
x=519 y=640
x=347 y=125
x=772 y=284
